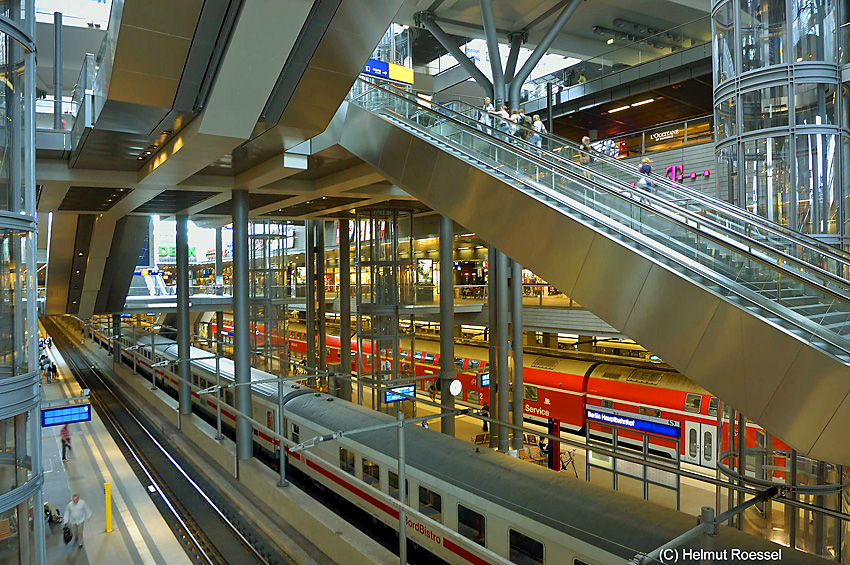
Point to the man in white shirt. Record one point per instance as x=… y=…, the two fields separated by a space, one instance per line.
x=76 y=514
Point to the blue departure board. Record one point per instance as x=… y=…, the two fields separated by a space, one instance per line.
x=65 y=415
x=392 y=395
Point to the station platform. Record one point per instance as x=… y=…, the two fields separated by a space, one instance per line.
x=139 y=533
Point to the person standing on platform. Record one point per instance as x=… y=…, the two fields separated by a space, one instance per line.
x=66 y=440
x=76 y=514
x=485 y=411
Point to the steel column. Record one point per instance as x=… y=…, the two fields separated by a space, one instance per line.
x=322 y=347
x=241 y=326
x=184 y=394
x=549 y=109
x=281 y=422
x=310 y=264
x=447 y=323
x=541 y=48
x=502 y=346
x=402 y=494
x=495 y=56
x=493 y=356
x=219 y=328
x=57 y=70
x=516 y=39
x=427 y=20
x=516 y=320
x=116 y=338
x=345 y=307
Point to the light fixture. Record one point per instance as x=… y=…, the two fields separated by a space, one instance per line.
x=642 y=102
x=620 y=109
x=799 y=59
x=610 y=41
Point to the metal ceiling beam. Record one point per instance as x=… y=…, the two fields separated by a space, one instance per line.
x=426 y=19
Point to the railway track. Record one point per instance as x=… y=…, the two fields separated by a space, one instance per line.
x=210 y=532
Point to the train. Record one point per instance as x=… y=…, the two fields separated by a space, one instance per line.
x=471 y=505
x=566 y=390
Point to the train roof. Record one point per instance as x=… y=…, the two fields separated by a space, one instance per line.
x=662 y=379
x=616 y=522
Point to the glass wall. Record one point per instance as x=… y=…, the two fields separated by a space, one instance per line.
x=22 y=539
x=782 y=110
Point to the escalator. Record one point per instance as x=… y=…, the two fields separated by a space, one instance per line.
x=567 y=153
x=757 y=316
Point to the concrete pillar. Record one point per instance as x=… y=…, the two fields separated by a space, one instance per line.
x=219 y=272
x=516 y=321
x=492 y=310
x=530 y=339
x=458 y=330
x=241 y=325
x=447 y=321
x=502 y=347
x=550 y=340
x=116 y=338
x=345 y=307
x=184 y=395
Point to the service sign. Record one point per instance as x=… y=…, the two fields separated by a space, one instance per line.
x=637 y=422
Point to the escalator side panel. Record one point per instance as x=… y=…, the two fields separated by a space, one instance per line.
x=670 y=315
x=607 y=262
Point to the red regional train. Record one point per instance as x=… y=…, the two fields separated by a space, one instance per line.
x=577 y=393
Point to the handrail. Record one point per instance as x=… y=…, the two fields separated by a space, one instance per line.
x=790 y=316
x=736 y=212
x=751 y=243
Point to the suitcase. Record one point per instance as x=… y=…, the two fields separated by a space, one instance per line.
x=66 y=534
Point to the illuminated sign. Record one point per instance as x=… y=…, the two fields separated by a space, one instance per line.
x=395 y=394
x=377 y=68
x=664 y=135
x=483 y=380
x=630 y=421
x=66 y=415
x=391 y=71
x=168 y=254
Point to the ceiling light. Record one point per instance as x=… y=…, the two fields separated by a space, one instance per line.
x=620 y=109
x=610 y=41
x=642 y=102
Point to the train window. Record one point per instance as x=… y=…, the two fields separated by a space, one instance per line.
x=228 y=397
x=459 y=363
x=529 y=393
x=195 y=380
x=485 y=366
x=418 y=356
x=431 y=504
x=404 y=354
x=296 y=434
x=393 y=487
x=712 y=406
x=692 y=403
x=579 y=562
x=371 y=474
x=470 y=524
x=473 y=364
x=429 y=358
x=346 y=460
x=473 y=396
x=606 y=403
x=654 y=412
x=525 y=550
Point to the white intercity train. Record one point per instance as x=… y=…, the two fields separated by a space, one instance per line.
x=475 y=505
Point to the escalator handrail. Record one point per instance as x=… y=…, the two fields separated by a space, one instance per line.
x=736 y=212
x=675 y=215
x=749 y=295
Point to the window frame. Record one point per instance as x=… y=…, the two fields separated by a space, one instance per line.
x=439 y=498
x=372 y=481
x=691 y=396
x=483 y=542
x=510 y=545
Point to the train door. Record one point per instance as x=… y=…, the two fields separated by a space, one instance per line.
x=700 y=444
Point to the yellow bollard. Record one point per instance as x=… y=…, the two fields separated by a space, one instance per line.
x=107 y=488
